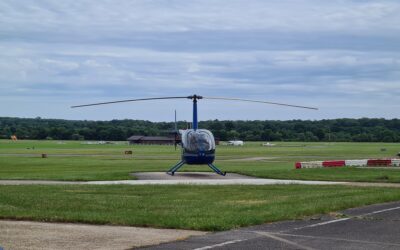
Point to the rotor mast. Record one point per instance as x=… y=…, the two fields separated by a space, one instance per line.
x=195 y=120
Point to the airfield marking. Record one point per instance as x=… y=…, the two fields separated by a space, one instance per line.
x=219 y=245
x=323 y=223
x=381 y=211
x=337 y=239
x=348 y=218
x=274 y=237
x=334 y=236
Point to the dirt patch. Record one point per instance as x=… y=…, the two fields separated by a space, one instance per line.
x=38 y=235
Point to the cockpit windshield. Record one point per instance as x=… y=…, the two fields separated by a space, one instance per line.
x=199 y=140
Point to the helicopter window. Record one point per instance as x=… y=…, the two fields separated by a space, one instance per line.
x=198 y=141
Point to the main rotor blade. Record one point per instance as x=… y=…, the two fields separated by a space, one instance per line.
x=247 y=100
x=131 y=100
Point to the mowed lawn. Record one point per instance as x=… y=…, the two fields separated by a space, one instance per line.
x=210 y=208
x=74 y=160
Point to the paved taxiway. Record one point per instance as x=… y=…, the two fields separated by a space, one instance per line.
x=371 y=227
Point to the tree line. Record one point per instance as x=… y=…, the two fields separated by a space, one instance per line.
x=343 y=130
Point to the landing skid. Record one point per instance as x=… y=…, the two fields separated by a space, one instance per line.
x=216 y=170
x=181 y=163
x=175 y=168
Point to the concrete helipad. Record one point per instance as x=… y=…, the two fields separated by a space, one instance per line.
x=195 y=178
x=247 y=181
x=188 y=176
x=204 y=178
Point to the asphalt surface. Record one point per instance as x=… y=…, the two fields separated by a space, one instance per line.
x=370 y=227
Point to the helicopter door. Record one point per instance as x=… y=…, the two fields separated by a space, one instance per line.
x=200 y=140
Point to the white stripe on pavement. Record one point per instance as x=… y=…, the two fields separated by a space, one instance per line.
x=219 y=245
x=348 y=218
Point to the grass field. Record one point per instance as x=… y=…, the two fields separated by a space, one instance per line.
x=72 y=160
x=189 y=207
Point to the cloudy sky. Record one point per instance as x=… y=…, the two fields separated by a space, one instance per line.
x=340 y=56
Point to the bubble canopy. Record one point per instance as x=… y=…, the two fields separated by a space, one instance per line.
x=199 y=140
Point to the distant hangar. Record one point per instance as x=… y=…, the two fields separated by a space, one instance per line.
x=156 y=140
x=152 y=140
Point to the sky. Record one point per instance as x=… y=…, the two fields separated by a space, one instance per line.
x=340 y=56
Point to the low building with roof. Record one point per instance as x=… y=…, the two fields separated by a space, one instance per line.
x=157 y=140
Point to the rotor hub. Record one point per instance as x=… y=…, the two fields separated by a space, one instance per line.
x=195 y=97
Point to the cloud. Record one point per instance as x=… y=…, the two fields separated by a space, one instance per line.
x=329 y=54
x=181 y=16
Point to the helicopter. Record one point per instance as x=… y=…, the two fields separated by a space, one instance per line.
x=198 y=145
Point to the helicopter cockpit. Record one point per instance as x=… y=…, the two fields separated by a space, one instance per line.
x=200 y=140
x=198 y=146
